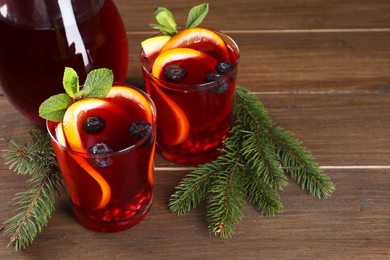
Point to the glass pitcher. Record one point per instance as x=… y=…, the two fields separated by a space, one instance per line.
x=39 y=38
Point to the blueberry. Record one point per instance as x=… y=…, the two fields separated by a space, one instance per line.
x=175 y=73
x=221 y=87
x=224 y=67
x=100 y=151
x=213 y=76
x=139 y=129
x=100 y=148
x=94 y=125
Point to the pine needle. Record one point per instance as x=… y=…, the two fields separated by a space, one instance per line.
x=34 y=206
x=193 y=189
x=225 y=197
x=30 y=156
x=265 y=198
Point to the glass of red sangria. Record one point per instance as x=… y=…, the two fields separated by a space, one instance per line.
x=105 y=150
x=191 y=77
x=40 y=38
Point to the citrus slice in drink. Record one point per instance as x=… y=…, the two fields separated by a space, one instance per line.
x=70 y=182
x=73 y=120
x=195 y=64
x=113 y=114
x=172 y=115
x=151 y=165
x=153 y=45
x=127 y=97
x=99 y=191
x=200 y=39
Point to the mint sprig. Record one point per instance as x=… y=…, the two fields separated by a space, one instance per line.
x=197 y=15
x=97 y=85
x=70 y=82
x=166 y=22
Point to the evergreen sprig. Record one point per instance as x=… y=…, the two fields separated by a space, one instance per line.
x=257 y=155
x=34 y=157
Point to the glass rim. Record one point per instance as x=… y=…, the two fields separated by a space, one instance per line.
x=201 y=86
x=86 y=154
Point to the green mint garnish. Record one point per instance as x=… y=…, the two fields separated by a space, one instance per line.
x=167 y=24
x=97 y=85
x=197 y=15
x=54 y=107
x=70 y=82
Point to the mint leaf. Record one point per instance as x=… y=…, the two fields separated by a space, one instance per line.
x=164 y=30
x=97 y=84
x=197 y=15
x=70 y=82
x=54 y=107
x=166 y=21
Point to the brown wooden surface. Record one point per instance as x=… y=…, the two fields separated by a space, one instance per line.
x=322 y=69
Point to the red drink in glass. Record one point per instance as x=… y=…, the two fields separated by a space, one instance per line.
x=110 y=191
x=40 y=39
x=202 y=110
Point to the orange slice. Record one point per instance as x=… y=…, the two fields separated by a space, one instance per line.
x=153 y=45
x=99 y=191
x=76 y=114
x=60 y=135
x=151 y=165
x=200 y=39
x=176 y=125
x=123 y=94
x=74 y=117
x=70 y=182
x=196 y=63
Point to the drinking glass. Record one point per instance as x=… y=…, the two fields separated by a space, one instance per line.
x=113 y=190
x=40 y=38
x=193 y=119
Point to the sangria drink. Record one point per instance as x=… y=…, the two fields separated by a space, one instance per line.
x=192 y=81
x=105 y=150
x=40 y=38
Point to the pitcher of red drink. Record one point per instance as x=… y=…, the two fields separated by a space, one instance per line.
x=40 y=38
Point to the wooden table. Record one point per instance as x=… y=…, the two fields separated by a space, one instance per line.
x=322 y=69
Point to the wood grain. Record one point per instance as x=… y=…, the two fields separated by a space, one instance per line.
x=354 y=223
x=322 y=70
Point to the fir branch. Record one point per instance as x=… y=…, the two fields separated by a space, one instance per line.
x=295 y=158
x=29 y=156
x=35 y=205
x=193 y=188
x=262 y=195
x=256 y=154
x=225 y=198
x=262 y=158
x=301 y=165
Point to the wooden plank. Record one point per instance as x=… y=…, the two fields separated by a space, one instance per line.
x=352 y=223
x=265 y=14
x=297 y=62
